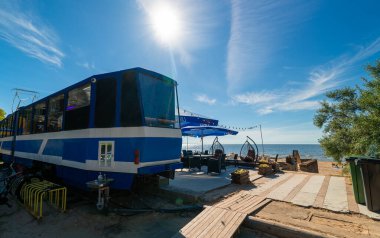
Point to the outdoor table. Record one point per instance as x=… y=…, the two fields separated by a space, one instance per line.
x=204 y=158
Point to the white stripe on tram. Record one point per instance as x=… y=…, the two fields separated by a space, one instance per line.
x=93 y=165
x=115 y=132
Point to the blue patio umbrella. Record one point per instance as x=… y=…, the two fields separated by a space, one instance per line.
x=202 y=131
x=188 y=118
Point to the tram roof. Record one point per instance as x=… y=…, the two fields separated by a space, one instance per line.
x=110 y=74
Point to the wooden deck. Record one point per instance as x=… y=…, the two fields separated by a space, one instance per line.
x=224 y=218
x=308 y=190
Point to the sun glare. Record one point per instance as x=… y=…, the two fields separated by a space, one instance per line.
x=166 y=24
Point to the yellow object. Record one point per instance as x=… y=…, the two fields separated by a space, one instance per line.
x=33 y=195
x=240 y=171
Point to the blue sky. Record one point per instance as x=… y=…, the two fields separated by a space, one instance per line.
x=242 y=62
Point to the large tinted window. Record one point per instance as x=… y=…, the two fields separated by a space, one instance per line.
x=77 y=114
x=25 y=121
x=10 y=126
x=158 y=99
x=130 y=112
x=28 y=121
x=39 y=118
x=1 y=128
x=105 y=103
x=55 y=113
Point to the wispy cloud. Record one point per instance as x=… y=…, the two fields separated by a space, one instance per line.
x=28 y=34
x=321 y=79
x=205 y=99
x=257 y=30
x=86 y=65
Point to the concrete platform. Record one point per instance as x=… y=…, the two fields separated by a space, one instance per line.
x=196 y=183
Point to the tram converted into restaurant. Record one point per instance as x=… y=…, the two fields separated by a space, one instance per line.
x=122 y=124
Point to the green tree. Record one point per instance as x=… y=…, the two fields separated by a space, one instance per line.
x=336 y=116
x=2 y=114
x=350 y=118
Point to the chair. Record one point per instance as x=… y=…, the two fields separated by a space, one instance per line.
x=249 y=153
x=214 y=165
x=223 y=162
x=216 y=145
x=185 y=159
x=195 y=162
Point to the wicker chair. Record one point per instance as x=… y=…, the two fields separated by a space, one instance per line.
x=249 y=151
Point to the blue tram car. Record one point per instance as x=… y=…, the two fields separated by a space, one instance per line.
x=121 y=123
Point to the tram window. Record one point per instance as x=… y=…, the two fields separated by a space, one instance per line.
x=1 y=128
x=130 y=113
x=4 y=127
x=106 y=153
x=158 y=101
x=77 y=115
x=21 y=121
x=105 y=103
x=10 y=126
x=26 y=126
x=55 y=113
x=39 y=118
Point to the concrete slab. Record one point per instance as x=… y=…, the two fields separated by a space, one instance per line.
x=281 y=192
x=199 y=182
x=308 y=193
x=268 y=185
x=336 y=196
x=364 y=210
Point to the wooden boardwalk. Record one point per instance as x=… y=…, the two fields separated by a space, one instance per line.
x=308 y=190
x=223 y=218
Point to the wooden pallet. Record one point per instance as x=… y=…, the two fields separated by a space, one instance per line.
x=224 y=218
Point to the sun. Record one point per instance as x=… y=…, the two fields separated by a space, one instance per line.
x=166 y=24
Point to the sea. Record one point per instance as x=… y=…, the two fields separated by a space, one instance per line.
x=306 y=151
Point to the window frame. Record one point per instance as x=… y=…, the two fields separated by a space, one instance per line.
x=48 y=114
x=112 y=160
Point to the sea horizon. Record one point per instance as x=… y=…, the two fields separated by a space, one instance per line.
x=306 y=151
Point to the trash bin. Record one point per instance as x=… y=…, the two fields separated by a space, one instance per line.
x=370 y=171
x=357 y=179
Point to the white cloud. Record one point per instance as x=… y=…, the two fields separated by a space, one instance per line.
x=30 y=36
x=86 y=65
x=258 y=29
x=205 y=99
x=321 y=79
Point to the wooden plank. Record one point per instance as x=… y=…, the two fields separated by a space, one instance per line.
x=284 y=189
x=221 y=224
x=307 y=195
x=238 y=203
x=271 y=185
x=228 y=202
x=201 y=224
x=253 y=209
x=295 y=191
x=231 y=225
x=198 y=219
x=192 y=222
x=203 y=230
x=231 y=231
x=247 y=203
x=322 y=192
x=254 y=206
